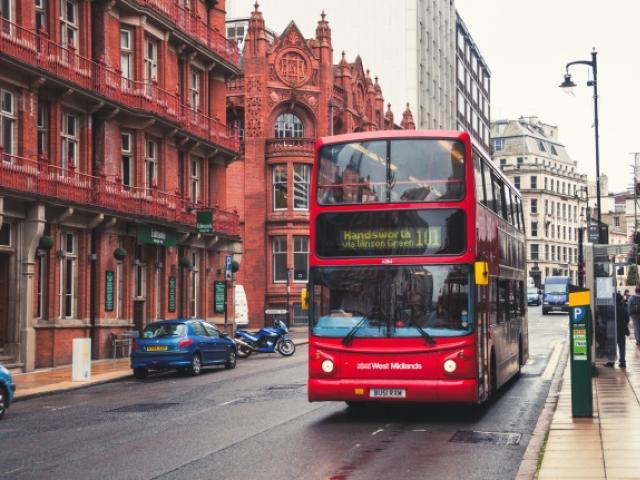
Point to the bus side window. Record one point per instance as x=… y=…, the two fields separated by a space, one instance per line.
x=498 y=197
x=503 y=300
x=488 y=190
x=480 y=187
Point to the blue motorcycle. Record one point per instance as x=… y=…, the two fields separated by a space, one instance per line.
x=266 y=340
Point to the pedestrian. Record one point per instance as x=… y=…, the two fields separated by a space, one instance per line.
x=622 y=330
x=633 y=305
x=626 y=296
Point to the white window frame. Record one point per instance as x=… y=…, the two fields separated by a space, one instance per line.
x=126 y=156
x=150 y=62
x=276 y=243
x=301 y=247
x=41 y=14
x=68 y=270
x=126 y=57
x=8 y=116
x=150 y=164
x=69 y=25
x=139 y=275
x=280 y=180
x=288 y=125
x=195 y=88
x=70 y=141
x=301 y=185
x=42 y=124
x=195 y=173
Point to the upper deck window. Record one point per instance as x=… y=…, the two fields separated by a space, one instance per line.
x=381 y=171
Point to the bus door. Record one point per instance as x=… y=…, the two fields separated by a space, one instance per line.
x=482 y=300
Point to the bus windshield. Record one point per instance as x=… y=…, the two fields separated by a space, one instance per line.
x=382 y=171
x=390 y=301
x=555 y=288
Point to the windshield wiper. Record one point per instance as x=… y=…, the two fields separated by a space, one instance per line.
x=352 y=333
x=427 y=338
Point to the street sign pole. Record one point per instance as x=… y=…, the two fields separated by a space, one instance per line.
x=227 y=278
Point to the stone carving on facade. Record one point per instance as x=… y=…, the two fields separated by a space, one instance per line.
x=293 y=67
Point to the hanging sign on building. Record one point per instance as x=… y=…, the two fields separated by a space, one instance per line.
x=109 y=278
x=155 y=236
x=172 y=294
x=219 y=296
x=204 y=221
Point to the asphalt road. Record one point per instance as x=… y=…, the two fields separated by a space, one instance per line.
x=255 y=422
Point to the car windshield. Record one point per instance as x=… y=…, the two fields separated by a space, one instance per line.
x=555 y=288
x=164 y=330
x=390 y=301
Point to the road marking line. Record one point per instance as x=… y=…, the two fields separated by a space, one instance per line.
x=230 y=402
x=377 y=431
x=553 y=361
x=419 y=430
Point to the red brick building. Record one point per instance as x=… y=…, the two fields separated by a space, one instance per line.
x=290 y=94
x=113 y=136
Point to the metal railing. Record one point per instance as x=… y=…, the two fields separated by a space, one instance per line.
x=290 y=146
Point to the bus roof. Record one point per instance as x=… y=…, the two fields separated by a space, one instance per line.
x=390 y=134
x=556 y=280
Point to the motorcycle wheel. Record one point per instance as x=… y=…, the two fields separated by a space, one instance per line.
x=243 y=352
x=286 y=347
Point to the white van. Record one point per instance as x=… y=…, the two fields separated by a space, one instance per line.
x=240 y=307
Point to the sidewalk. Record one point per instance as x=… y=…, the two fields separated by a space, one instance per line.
x=605 y=446
x=54 y=380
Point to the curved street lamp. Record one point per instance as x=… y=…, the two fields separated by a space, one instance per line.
x=568 y=85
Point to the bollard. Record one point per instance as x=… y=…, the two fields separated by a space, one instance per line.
x=580 y=341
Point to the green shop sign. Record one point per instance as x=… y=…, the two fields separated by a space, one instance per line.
x=204 y=221
x=108 y=290
x=220 y=296
x=172 y=294
x=155 y=236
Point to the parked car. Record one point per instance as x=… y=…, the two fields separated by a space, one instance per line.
x=533 y=296
x=186 y=345
x=7 y=390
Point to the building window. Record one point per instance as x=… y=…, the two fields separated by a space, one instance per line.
x=534 y=251
x=126 y=159
x=126 y=57
x=195 y=285
x=498 y=144
x=616 y=221
x=534 y=182
x=553 y=149
x=534 y=229
x=546 y=252
x=194 y=179
x=43 y=128
x=280 y=187
x=41 y=15
x=301 y=181
x=6 y=14
x=546 y=183
x=8 y=117
x=300 y=259
x=519 y=162
x=150 y=165
x=503 y=163
x=541 y=146
x=279 y=260
x=150 y=64
x=70 y=140
x=553 y=253
x=140 y=274
x=69 y=23
x=195 y=88
x=516 y=182
x=68 y=259
x=289 y=126
x=534 y=205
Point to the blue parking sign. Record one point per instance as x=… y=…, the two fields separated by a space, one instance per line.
x=228 y=267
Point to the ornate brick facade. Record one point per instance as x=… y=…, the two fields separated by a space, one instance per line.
x=290 y=94
x=114 y=135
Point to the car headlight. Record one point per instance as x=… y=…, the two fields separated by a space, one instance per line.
x=327 y=366
x=450 y=366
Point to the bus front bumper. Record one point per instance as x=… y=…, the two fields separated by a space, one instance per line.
x=426 y=391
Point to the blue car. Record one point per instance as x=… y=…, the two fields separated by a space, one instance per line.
x=7 y=389
x=186 y=345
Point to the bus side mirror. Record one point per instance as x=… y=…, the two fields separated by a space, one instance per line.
x=304 y=299
x=481 y=273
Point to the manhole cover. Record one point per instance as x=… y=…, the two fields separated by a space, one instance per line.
x=143 y=407
x=491 y=438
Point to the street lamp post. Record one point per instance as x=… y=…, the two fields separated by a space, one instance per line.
x=568 y=84
x=581 y=266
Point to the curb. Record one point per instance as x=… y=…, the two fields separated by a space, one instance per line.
x=529 y=466
x=54 y=391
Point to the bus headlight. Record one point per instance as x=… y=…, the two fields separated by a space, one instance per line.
x=327 y=366
x=450 y=366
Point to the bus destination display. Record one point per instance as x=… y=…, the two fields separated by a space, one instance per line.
x=391 y=232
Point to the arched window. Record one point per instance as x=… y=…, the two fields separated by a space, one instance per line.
x=288 y=126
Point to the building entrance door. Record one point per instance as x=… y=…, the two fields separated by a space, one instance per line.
x=4 y=299
x=138 y=314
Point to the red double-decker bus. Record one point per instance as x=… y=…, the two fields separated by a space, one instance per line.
x=417 y=278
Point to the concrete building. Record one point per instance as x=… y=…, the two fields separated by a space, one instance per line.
x=531 y=155
x=420 y=49
x=113 y=137
x=290 y=93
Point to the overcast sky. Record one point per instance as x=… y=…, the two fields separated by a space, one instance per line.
x=527 y=45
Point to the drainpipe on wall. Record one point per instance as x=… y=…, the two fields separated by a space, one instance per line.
x=93 y=294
